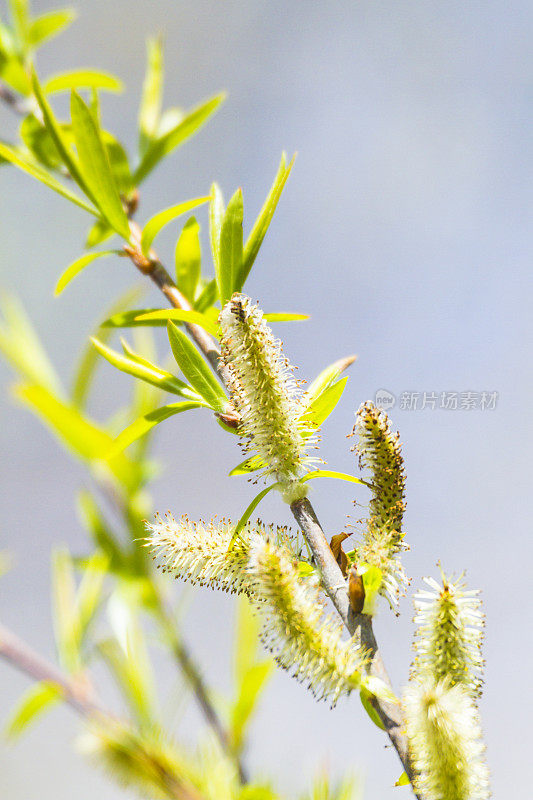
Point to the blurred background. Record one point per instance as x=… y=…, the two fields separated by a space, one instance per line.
x=403 y=231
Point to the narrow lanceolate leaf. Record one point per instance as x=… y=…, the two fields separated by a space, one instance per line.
x=146 y=371
x=285 y=316
x=152 y=94
x=79 y=435
x=195 y=369
x=161 y=317
x=41 y=175
x=188 y=259
x=158 y=221
x=22 y=347
x=77 y=266
x=133 y=319
x=95 y=166
x=48 y=25
x=328 y=473
x=248 y=465
x=322 y=406
x=60 y=140
x=257 y=234
x=231 y=247
x=216 y=215
x=178 y=134
x=325 y=378
x=82 y=79
x=33 y=703
x=144 y=424
x=301 y=640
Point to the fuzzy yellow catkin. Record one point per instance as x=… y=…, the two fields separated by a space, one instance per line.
x=450 y=633
x=266 y=397
x=295 y=630
x=445 y=743
x=141 y=760
x=379 y=451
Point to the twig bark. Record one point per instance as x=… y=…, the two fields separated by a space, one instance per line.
x=76 y=694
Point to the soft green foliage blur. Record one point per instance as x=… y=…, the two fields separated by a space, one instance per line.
x=104 y=600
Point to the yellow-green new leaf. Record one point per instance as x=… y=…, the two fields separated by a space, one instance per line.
x=152 y=94
x=325 y=378
x=321 y=407
x=161 y=316
x=216 y=215
x=158 y=221
x=82 y=79
x=184 y=129
x=37 y=172
x=80 y=435
x=251 y=464
x=62 y=143
x=257 y=234
x=144 y=424
x=284 y=316
x=188 y=259
x=21 y=346
x=95 y=166
x=32 y=704
x=231 y=248
x=77 y=266
x=195 y=369
x=328 y=473
x=146 y=371
x=48 y=25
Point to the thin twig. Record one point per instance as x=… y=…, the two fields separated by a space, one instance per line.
x=78 y=695
x=16 y=104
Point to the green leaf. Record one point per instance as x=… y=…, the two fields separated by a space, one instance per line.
x=89 y=358
x=134 y=319
x=99 y=531
x=321 y=407
x=403 y=780
x=195 y=369
x=79 y=434
x=144 y=424
x=216 y=216
x=20 y=11
x=32 y=704
x=325 y=378
x=48 y=25
x=207 y=296
x=188 y=258
x=283 y=316
x=41 y=175
x=372 y=580
x=163 y=145
x=64 y=607
x=157 y=222
x=366 y=698
x=96 y=168
x=251 y=508
x=77 y=266
x=251 y=464
x=181 y=315
x=21 y=346
x=327 y=473
x=230 y=247
x=257 y=234
x=61 y=141
x=152 y=94
x=12 y=72
x=146 y=371
x=119 y=163
x=98 y=233
x=82 y=79
x=39 y=141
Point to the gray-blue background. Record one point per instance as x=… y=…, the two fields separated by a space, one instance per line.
x=403 y=231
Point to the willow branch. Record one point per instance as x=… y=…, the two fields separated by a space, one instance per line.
x=79 y=697
x=15 y=103
x=332 y=578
